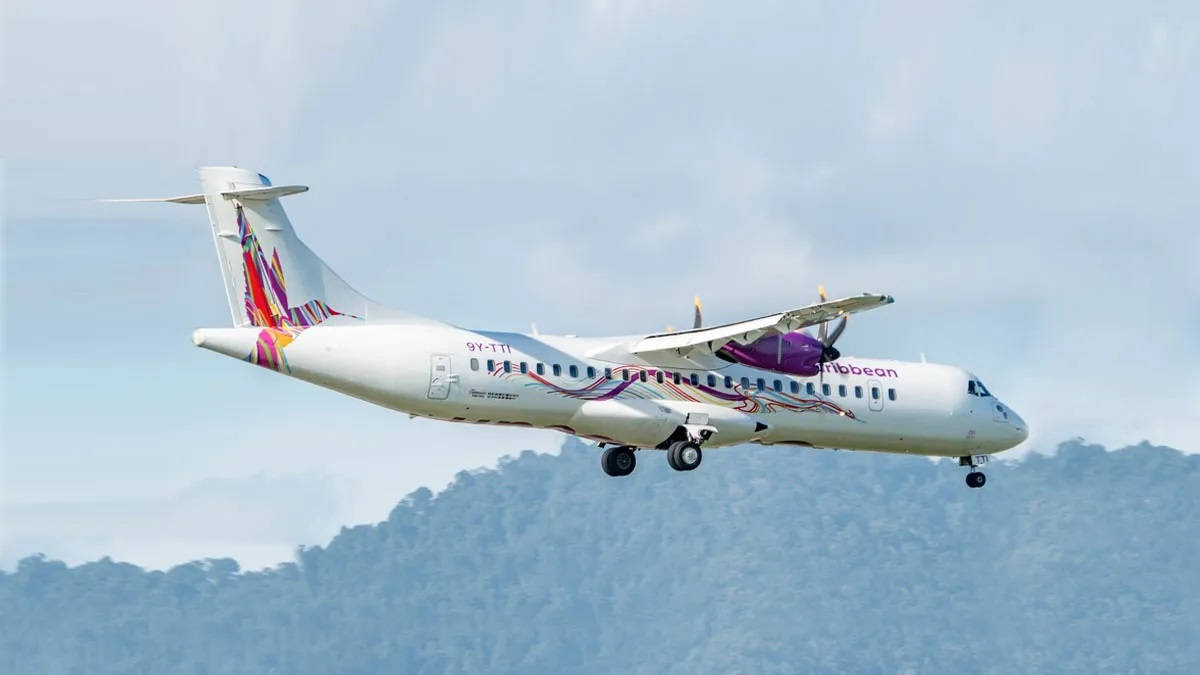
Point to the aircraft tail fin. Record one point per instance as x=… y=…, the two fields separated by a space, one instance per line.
x=272 y=279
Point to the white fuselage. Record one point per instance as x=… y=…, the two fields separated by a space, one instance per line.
x=594 y=388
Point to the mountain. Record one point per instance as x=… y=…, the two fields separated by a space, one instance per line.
x=764 y=560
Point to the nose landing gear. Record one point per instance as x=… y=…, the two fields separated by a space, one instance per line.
x=975 y=479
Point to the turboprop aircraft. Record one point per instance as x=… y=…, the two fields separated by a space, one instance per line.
x=763 y=380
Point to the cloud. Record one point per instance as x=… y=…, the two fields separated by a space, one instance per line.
x=261 y=518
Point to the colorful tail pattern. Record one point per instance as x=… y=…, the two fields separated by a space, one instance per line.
x=267 y=302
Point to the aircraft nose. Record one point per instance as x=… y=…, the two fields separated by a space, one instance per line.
x=1020 y=428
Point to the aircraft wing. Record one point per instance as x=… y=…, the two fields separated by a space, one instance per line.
x=744 y=332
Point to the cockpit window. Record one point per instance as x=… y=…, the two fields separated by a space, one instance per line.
x=976 y=388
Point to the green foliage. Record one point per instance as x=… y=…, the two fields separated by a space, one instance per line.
x=764 y=560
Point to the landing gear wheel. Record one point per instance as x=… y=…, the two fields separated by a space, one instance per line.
x=976 y=479
x=684 y=456
x=618 y=460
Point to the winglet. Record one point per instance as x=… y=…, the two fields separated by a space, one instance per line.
x=698 y=321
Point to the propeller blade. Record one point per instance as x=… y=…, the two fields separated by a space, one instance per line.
x=837 y=332
x=822 y=329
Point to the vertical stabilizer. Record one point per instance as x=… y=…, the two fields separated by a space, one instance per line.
x=272 y=279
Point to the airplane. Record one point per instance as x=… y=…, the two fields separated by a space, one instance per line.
x=762 y=380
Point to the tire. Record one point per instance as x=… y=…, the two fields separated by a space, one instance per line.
x=976 y=479
x=687 y=456
x=672 y=461
x=618 y=461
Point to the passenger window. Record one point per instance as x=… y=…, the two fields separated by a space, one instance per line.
x=812 y=390
x=857 y=392
x=728 y=382
x=825 y=389
x=625 y=374
x=711 y=380
x=608 y=373
x=875 y=393
x=491 y=365
x=794 y=387
x=524 y=367
x=508 y=366
x=556 y=369
x=778 y=385
x=540 y=368
x=891 y=394
x=642 y=376
x=694 y=379
x=591 y=372
x=474 y=364
x=760 y=383
x=745 y=383
x=842 y=390
x=658 y=375
x=573 y=370
x=676 y=377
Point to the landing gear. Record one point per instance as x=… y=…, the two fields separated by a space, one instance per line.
x=975 y=479
x=618 y=460
x=684 y=455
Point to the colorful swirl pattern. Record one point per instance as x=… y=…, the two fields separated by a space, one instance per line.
x=748 y=400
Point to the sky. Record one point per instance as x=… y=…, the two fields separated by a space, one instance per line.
x=1021 y=178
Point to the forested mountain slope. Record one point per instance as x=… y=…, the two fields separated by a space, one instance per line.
x=762 y=560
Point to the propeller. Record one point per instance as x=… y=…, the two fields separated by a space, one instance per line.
x=829 y=353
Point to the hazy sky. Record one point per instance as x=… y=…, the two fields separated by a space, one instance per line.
x=1024 y=178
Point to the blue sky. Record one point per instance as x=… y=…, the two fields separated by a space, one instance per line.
x=1023 y=179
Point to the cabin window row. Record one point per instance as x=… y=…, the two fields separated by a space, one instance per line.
x=693 y=379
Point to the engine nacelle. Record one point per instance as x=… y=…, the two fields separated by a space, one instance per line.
x=793 y=354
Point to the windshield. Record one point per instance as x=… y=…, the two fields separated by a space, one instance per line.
x=976 y=388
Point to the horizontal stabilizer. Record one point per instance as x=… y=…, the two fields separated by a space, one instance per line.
x=249 y=194
x=182 y=199
x=265 y=193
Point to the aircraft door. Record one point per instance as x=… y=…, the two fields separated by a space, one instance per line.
x=439 y=376
x=875 y=394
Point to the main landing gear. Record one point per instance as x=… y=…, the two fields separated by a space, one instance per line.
x=618 y=460
x=684 y=455
x=975 y=479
